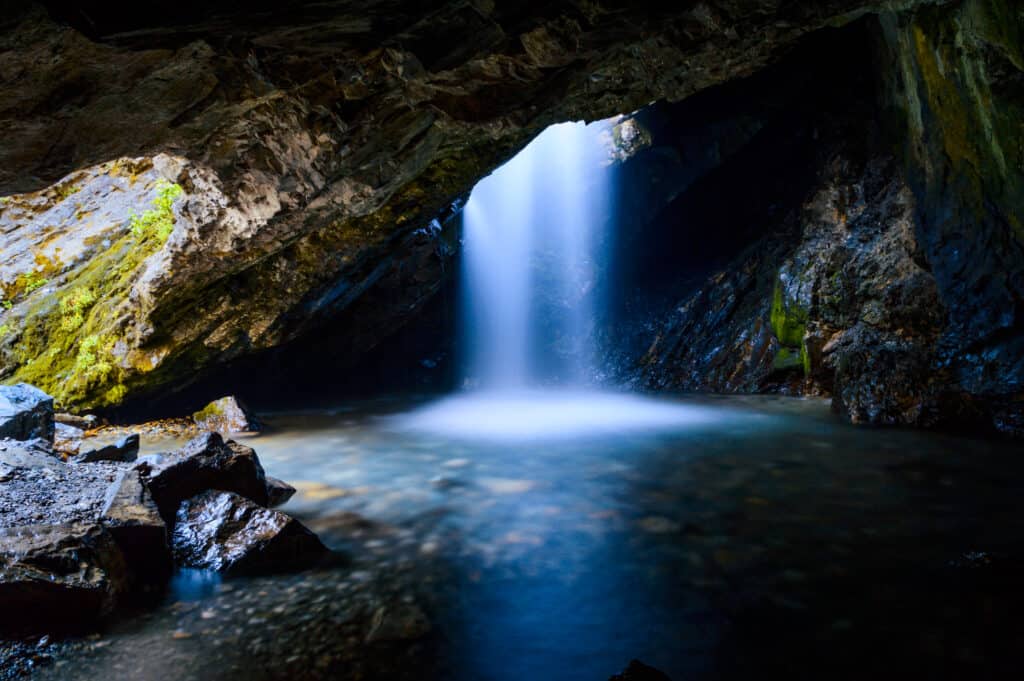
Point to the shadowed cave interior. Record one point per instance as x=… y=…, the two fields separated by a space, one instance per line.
x=460 y=339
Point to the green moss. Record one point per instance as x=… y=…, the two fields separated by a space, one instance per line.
x=73 y=307
x=787 y=359
x=66 y=190
x=5 y=329
x=789 y=324
x=158 y=221
x=30 y=281
x=788 y=320
x=212 y=409
x=66 y=339
x=115 y=394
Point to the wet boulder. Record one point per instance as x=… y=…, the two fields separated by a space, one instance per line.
x=278 y=492
x=26 y=413
x=204 y=463
x=126 y=449
x=226 y=415
x=133 y=520
x=226 y=532
x=37 y=488
x=57 y=578
x=74 y=538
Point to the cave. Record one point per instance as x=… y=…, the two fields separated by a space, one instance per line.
x=470 y=339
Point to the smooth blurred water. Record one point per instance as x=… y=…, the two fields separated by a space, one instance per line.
x=756 y=537
x=531 y=232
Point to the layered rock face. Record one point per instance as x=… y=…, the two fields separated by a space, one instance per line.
x=891 y=280
x=179 y=196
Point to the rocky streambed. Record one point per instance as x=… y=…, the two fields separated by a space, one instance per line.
x=83 y=537
x=759 y=537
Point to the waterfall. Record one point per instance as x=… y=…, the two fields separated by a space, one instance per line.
x=531 y=235
x=532 y=249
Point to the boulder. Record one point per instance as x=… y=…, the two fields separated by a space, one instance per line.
x=278 y=492
x=638 y=671
x=226 y=532
x=26 y=413
x=67 y=440
x=37 y=488
x=126 y=449
x=133 y=520
x=57 y=578
x=226 y=415
x=204 y=463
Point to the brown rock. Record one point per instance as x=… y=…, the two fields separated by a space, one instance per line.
x=133 y=520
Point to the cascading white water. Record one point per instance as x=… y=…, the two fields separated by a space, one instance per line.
x=531 y=250
x=531 y=233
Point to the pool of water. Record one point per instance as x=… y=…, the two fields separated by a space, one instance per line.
x=725 y=538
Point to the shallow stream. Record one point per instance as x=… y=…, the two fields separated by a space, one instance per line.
x=755 y=536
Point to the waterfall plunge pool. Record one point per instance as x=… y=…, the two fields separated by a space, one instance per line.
x=762 y=537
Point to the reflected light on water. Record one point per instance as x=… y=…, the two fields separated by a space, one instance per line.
x=552 y=414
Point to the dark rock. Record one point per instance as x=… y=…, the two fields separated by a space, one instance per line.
x=278 y=492
x=638 y=671
x=133 y=520
x=26 y=413
x=226 y=415
x=86 y=422
x=125 y=449
x=226 y=532
x=205 y=463
x=67 y=440
x=38 y=488
x=838 y=303
x=57 y=578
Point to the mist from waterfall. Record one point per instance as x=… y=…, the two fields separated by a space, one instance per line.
x=531 y=248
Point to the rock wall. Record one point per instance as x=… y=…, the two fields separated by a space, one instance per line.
x=895 y=284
